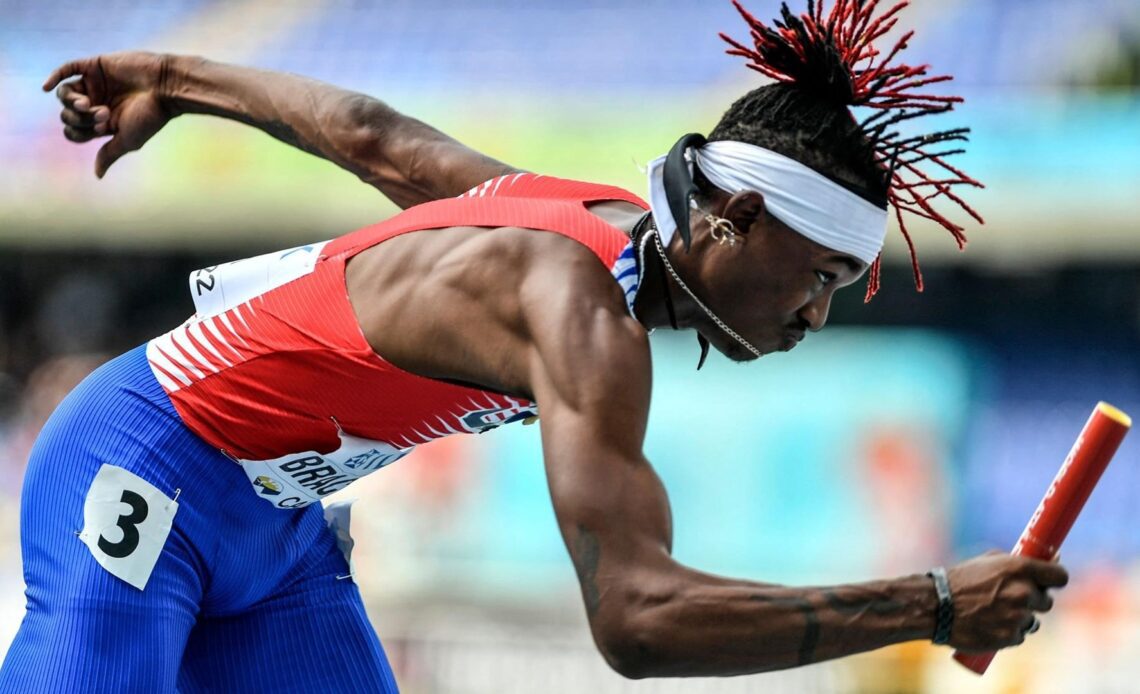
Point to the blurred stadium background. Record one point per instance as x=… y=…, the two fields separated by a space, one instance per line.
x=916 y=430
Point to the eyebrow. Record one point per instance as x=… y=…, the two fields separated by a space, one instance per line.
x=847 y=260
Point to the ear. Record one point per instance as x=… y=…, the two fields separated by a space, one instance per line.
x=744 y=209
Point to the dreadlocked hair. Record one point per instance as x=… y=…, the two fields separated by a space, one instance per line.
x=825 y=63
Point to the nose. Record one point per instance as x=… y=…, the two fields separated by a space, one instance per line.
x=814 y=313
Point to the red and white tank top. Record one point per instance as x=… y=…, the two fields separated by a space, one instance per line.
x=274 y=370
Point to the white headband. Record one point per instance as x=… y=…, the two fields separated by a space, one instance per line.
x=806 y=201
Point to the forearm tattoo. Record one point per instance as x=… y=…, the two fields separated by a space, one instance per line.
x=587 y=551
x=805 y=654
x=849 y=605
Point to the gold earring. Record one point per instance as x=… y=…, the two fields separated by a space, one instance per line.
x=722 y=230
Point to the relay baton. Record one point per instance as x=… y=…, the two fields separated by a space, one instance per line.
x=1065 y=498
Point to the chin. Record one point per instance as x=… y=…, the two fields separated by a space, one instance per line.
x=738 y=353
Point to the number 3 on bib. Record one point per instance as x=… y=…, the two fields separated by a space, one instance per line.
x=126 y=521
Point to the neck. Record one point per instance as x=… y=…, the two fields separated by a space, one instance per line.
x=656 y=290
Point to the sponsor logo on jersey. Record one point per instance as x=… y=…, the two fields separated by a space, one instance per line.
x=268 y=486
x=481 y=421
x=372 y=460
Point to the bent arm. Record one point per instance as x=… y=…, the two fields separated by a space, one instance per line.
x=406 y=159
x=650 y=615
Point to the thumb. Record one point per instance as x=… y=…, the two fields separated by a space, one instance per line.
x=108 y=154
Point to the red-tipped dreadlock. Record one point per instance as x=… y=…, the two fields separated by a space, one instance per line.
x=833 y=56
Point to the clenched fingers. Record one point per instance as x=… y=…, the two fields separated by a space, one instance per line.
x=1028 y=625
x=73 y=95
x=80 y=129
x=1040 y=601
x=81 y=120
x=1046 y=574
x=96 y=117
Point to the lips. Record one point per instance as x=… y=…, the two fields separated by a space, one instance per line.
x=791 y=339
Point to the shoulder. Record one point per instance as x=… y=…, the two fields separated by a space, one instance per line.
x=578 y=322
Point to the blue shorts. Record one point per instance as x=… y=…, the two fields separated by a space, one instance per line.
x=243 y=597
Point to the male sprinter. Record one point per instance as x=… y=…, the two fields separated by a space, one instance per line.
x=190 y=470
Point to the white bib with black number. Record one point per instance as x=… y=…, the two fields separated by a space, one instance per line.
x=219 y=288
x=126 y=521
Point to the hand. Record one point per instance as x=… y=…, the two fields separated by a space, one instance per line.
x=996 y=596
x=119 y=94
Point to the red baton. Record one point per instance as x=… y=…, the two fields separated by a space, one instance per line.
x=1065 y=498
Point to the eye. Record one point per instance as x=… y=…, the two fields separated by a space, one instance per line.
x=825 y=278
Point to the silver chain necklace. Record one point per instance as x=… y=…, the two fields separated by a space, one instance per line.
x=708 y=312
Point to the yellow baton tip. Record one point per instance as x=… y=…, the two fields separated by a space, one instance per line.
x=1114 y=414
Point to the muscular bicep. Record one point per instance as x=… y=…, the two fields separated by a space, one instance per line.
x=412 y=162
x=592 y=383
x=598 y=477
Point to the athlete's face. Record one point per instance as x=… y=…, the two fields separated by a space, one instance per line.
x=773 y=286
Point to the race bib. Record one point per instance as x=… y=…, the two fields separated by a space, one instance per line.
x=126 y=521
x=221 y=287
x=299 y=479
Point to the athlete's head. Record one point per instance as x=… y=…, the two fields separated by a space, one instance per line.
x=805 y=184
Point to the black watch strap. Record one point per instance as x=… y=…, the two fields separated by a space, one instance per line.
x=945 y=614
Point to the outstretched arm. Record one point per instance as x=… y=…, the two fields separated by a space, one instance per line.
x=132 y=95
x=652 y=616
